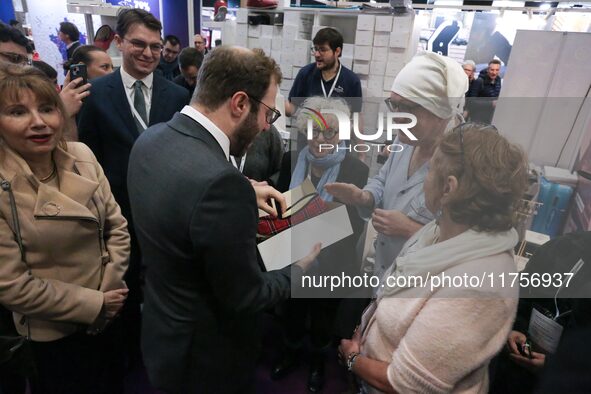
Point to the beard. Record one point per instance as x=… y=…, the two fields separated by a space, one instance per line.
x=245 y=133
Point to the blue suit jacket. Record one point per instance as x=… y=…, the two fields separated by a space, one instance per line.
x=106 y=125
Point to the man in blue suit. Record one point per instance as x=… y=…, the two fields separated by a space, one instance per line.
x=120 y=107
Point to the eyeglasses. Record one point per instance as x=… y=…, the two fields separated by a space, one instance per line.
x=319 y=49
x=272 y=114
x=400 y=107
x=16 y=58
x=140 y=45
x=328 y=134
x=472 y=126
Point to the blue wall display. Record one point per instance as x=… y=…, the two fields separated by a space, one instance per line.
x=6 y=11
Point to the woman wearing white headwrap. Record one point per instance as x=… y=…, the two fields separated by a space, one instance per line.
x=426 y=334
x=432 y=88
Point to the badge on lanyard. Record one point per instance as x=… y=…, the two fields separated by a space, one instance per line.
x=333 y=84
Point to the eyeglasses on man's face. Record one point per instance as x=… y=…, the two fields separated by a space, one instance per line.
x=321 y=50
x=271 y=115
x=140 y=45
x=328 y=134
x=15 y=58
x=394 y=106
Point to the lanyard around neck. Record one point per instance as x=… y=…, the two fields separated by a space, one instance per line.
x=336 y=78
x=241 y=168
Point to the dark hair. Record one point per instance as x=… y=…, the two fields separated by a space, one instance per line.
x=70 y=29
x=494 y=61
x=15 y=79
x=82 y=55
x=10 y=34
x=13 y=22
x=46 y=68
x=128 y=17
x=227 y=70
x=492 y=176
x=174 y=40
x=329 y=36
x=190 y=57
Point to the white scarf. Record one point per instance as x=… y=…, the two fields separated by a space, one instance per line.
x=421 y=256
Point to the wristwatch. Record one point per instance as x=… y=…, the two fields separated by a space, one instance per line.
x=351 y=360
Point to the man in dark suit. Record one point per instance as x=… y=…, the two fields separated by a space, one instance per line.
x=120 y=107
x=196 y=218
x=70 y=36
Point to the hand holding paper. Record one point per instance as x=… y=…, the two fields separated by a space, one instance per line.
x=350 y=194
x=307 y=261
x=264 y=195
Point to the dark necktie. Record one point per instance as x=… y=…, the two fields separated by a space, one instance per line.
x=139 y=102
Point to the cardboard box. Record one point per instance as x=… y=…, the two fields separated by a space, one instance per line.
x=287 y=43
x=291 y=18
x=362 y=53
x=361 y=68
x=241 y=30
x=266 y=31
x=363 y=37
x=375 y=85
x=265 y=44
x=296 y=242
x=286 y=84
x=402 y=23
x=381 y=39
x=363 y=80
x=242 y=15
x=315 y=29
x=388 y=81
x=276 y=55
x=398 y=39
x=290 y=32
x=254 y=31
x=295 y=70
x=383 y=23
x=286 y=70
x=377 y=68
x=347 y=62
x=379 y=54
x=277 y=44
x=253 y=43
x=348 y=50
x=366 y=22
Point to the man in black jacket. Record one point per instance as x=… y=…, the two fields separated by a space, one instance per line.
x=483 y=94
x=196 y=218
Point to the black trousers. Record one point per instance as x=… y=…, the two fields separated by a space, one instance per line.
x=80 y=363
x=319 y=312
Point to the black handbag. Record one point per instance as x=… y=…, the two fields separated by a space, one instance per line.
x=16 y=352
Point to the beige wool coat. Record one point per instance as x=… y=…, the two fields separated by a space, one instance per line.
x=75 y=241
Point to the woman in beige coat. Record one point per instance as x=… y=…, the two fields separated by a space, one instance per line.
x=428 y=334
x=64 y=244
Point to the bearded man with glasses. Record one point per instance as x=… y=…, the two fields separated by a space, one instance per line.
x=121 y=106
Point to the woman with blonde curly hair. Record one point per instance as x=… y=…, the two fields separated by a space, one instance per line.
x=424 y=334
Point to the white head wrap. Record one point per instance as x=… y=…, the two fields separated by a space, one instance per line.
x=437 y=83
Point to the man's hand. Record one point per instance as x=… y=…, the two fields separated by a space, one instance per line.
x=347 y=347
x=307 y=261
x=533 y=364
x=515 y=340
x=349 y=194
x=392 y=222
x=72 y=95
x=264 y=195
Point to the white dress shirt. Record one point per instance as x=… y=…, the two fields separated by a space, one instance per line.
x=215 y=131
x=128 y=82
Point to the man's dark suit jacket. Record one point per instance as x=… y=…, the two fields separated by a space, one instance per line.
x=107 y=126
x=70 y=50
x=196 y=219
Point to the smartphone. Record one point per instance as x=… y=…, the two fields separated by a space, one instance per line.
x=525 y=349
x=79 y=71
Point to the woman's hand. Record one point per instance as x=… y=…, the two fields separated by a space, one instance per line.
x=349 y=346
x=264 y=194
x=113 y=302
x=349 y=194
x=72 y=94
x=533 y=364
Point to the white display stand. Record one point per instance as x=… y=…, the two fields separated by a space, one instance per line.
x=544 y=101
